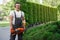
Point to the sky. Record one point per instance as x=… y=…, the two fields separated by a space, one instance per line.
x=1 y=1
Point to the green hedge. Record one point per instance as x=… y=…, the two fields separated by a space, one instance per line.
x=48 y=31
x=35 y=13
x=40 y=13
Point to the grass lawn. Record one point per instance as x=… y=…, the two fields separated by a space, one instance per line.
x=4 y=23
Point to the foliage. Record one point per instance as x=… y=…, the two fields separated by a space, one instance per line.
x=48 y=31
x=51 y=2
x=6 y=8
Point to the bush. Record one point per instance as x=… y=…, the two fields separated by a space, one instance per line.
x=48 y=31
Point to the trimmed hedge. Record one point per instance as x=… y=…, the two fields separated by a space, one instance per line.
x=36 y=13
x=39 y=13
x=49 y=31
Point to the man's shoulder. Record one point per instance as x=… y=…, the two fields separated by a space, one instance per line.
x=22 y=11
x=12 y=11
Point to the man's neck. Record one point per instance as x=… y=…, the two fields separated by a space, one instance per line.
x=17 y=10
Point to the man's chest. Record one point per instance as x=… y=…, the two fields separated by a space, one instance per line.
x=18 y=14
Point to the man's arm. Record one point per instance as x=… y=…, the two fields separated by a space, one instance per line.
x=23 y=21
x=11 y=18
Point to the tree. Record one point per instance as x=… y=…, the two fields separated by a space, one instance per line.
x=5 y=9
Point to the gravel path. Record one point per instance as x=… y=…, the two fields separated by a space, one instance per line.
x=4 y=33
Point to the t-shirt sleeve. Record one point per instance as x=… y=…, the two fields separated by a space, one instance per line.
x=11 y=13
x=22 y=14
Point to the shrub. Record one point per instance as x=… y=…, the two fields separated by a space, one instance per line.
x=48 y=31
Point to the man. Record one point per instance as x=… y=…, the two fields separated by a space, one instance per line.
x=16 y=18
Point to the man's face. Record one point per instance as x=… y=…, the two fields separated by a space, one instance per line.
x=17 y=6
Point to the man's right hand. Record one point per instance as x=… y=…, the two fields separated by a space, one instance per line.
x=11 y=27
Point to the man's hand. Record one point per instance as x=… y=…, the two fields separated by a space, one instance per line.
x=24 y=23
x=24 y=28
x=11 y=27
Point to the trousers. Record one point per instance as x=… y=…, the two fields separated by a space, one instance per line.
x=20 y=36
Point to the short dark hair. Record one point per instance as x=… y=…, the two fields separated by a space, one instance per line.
x=16 y=3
